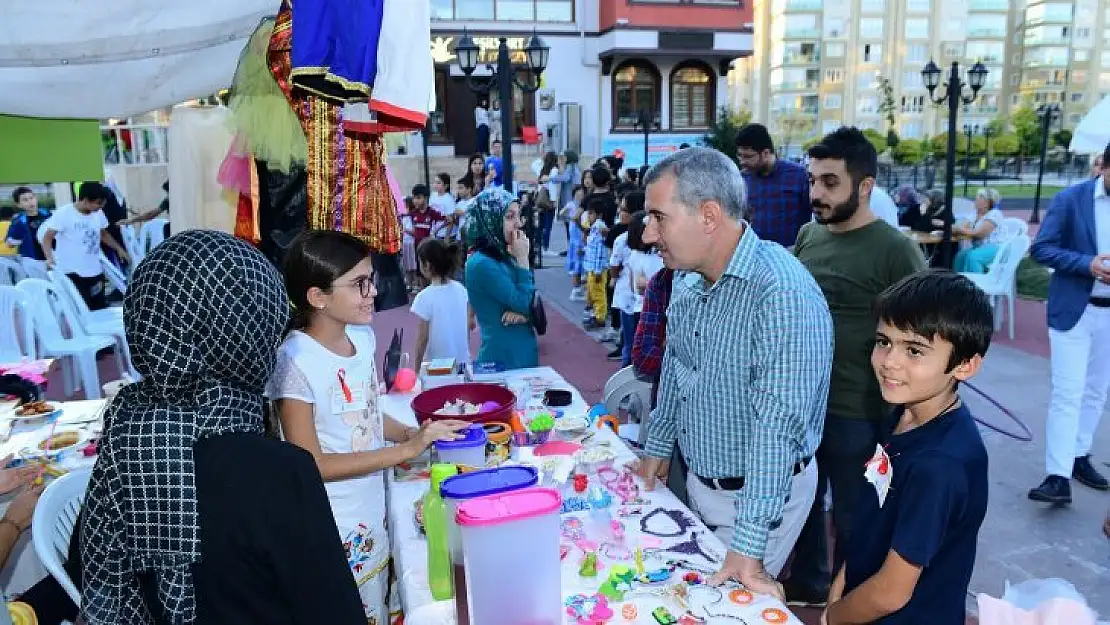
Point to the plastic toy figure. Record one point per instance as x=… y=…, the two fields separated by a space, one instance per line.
x=663 y=616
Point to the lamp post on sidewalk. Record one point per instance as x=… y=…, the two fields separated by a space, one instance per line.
x=502 y=79
x=954 y=95
x=970 y=131
x=1047 y=113
x=988 y=132
x=645 y=120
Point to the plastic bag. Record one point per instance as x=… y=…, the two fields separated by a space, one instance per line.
x=1036 y=602
x=1029 y=594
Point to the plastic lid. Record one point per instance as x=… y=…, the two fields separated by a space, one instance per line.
x=472 y=436
x=508 y=507
x=488 y=482
x=441 y=471
x=497 y=433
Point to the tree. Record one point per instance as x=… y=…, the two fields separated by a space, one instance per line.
x=793 y=126
x=1027 y=127
x=887 y=108
x=877 y=139
x=722 y=135
x=909 y=152
x=1062 y=138
x=1005 y=144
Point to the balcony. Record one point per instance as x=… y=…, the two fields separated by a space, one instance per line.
x=989 y=5
x=1050 y=62
x=1047 y=40
x=808 y=111
x=673 y=14
x=801 y=85
x=992 y=33
x=797 y=58
x=802 y=33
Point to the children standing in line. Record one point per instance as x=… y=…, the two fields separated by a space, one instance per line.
x=445 y=317
x=464 y=192
x=576 y=243
x=596 y=266
x=325 y=387
x=929 y=473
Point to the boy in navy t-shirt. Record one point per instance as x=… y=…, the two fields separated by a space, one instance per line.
x=914 y=562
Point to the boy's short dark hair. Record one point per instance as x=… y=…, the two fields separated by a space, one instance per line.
x=420 y=189
x=848 y=144
x=18 y=193
x=467 y=182
x=93 y=192
x=755 y=138
x=445 y=178
x=940 y=303
x=601 y=175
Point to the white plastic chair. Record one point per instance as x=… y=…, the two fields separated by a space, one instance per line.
x=53 y=523
x=35 y=269
x=152 y=234
x=625 y=393
x=133 y=244
x=107 y=321
x=47 y=306
x=11 y=272
x=113 y=274
x=1001 y=278
x=1012 y=227
x=17 y=338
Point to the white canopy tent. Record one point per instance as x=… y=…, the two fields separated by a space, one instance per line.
x=1093 y=132
x=97 y=60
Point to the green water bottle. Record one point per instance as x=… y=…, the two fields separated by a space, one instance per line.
x=435 y=528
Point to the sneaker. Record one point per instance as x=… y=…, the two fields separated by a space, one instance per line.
x=1084 y=472
x=616 y=355
x=592 y=324
x=577 y=294
x=800 y=596
x=1054 y=489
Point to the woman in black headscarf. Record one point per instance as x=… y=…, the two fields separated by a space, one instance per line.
x=192 y=514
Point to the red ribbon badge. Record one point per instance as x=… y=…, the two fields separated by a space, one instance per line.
x=342 y=375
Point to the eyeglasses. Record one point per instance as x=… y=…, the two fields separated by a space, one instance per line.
x=364 y=284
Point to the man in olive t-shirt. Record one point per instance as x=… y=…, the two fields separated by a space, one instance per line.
x=854 y=256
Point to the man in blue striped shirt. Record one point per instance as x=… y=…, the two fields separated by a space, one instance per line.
x=778 y=190
x=746 y=371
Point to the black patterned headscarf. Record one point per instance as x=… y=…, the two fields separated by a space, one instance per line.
x=204 y=315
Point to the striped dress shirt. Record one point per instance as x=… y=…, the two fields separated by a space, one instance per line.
x=745 y=379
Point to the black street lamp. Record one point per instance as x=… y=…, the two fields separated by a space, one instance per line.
x=954 y=95
x=988 y=132
x=502 y=78
x=1047 y=113
x=645 y=120
x=970 y=131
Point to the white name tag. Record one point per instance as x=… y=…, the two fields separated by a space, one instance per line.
x=348 y=395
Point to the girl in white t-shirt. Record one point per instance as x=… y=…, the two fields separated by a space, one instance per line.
x=445 y=317
x=325 y=388
x=642 y=264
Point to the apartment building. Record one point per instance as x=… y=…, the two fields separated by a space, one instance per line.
x=818 y=64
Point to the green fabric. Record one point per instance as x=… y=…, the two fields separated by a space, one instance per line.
x=50 y=150
x=485 y=219
x=494 y=288
x=852 y=268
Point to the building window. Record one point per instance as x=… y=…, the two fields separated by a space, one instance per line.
x=917 y=28
x=917 y=53
x=692 y=95
x=870 y=53
x=1105 y=58
x=835 y=28
x=1015 y=80
x=635 y=87
x=868 y=106
x=1081 y=56
x=1077 y=97
x=954 y=50
x=867 y=80
x=918 y=6
x=912 y=80
x=834 y=75
x=1079 y=77
x=832 y=100
x=834 y=50
x=504 y=10
x=871 y=28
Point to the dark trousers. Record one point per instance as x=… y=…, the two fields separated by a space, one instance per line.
x=628 y=333
x=845 y=448
x=483 y=140
x=547 y=222
x=91 y=290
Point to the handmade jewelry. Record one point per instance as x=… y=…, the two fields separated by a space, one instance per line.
x=690 y=619
x=681 y=520
x=575 y=504
x=629 y=511
x=588 y=610
x=740 y=597
x=693 y=548
x=629 y=612
x=705 y=595
x=687 y=566
x=692 y=578
x=614 y=551
x=723 y=615
x=572 y=528
x=621 y=483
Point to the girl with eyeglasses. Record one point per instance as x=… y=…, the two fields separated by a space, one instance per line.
x=325 y=387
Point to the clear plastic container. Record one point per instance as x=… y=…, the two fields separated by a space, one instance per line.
x=460 y=488
x=511 y=557
x=470 y=450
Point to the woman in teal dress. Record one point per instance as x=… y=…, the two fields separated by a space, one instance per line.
x=499 y=282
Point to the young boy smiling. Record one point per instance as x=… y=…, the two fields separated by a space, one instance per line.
x=914 y=563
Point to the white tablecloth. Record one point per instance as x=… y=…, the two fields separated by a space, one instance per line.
x=410 y=547
x=24 y=568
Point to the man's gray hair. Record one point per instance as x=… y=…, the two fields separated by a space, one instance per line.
x=703 y=175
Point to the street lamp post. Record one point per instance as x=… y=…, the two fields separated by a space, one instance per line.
x=1047 y=113
x=503 y=78
x=988 y=132
x=954 y=95
x=970 y=131
x=645 y=120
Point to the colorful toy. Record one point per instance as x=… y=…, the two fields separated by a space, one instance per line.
x=629 y=612
x=619 y=582
x=589 y=565
x=611 y=421
x=657 y=576
x=581 y=482
x=740 y=597
x=774 y=615
x=692 y=578
x=588 y=610
x=663 y=616
x=405 y=380
x=542 y=422
x=598 y=497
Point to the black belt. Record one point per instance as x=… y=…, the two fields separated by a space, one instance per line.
x=736 y=483
x=1100 y=302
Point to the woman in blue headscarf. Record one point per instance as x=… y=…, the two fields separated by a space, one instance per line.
x=499 y=282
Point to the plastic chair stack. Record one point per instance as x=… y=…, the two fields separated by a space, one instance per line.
x=53 y=522
x=17 y=339
x=1001 y=279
